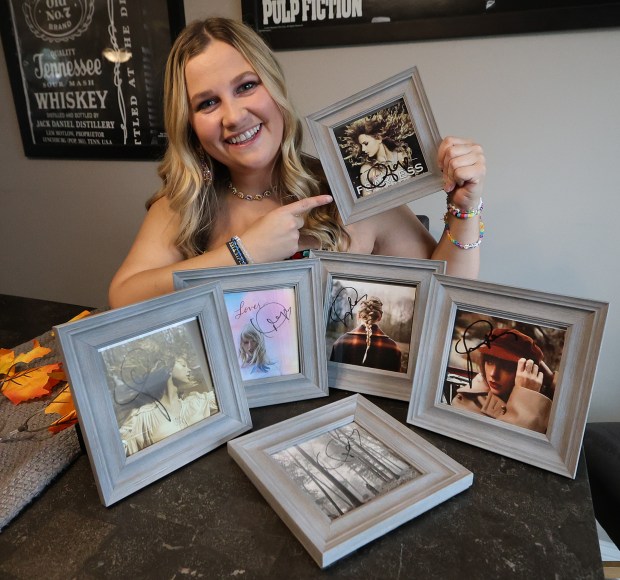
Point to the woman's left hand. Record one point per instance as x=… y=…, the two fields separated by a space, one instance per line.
x=464 y=168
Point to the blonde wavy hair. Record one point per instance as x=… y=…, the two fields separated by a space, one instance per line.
x=196 y=200
x=259 y=355
x=370 y=312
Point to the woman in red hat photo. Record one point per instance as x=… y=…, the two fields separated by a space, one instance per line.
x=509 y=385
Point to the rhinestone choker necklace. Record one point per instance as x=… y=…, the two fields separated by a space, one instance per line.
x=242 y=195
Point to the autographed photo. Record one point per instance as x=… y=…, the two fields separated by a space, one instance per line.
x=159 y=384
x=344 y=468
x=264 y=328
x=369 y=324
x=380 y=149
x=503 y=369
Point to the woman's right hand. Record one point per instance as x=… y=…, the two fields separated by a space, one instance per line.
x=275 y=236
x=147 y=269
x=528 y=376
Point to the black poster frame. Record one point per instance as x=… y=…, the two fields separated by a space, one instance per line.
x=425 y=21
x=74 y=129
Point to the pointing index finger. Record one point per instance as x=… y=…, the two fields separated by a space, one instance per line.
x=305 y=205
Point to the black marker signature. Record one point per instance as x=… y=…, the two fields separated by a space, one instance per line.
x=270 y=317
x=486 y=340
x=135 y=381
x=335 y=311
x=377 y=175
x=334 y=452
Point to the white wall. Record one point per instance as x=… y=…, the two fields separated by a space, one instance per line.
x=545 y=107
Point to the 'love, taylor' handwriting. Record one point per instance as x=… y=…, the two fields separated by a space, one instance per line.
x=243 y=309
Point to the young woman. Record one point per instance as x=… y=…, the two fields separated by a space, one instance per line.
x=236 y=187
x=509 y=386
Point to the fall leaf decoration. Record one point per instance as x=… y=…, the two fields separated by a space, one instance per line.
x=20 y=383
x=62 y=405
x=79 y=316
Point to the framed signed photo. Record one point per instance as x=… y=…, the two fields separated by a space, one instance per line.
x=509 y=370
x=155 y=386
x=374 y=311
x=274 y=314
x=87 y=77
x=345 y=474
x=379 y=147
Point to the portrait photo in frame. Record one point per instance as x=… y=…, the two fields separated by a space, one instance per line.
x=345 y=474
x=155 y=385
x=374 y=311
x=509 y=370
x=379 y=147
x=274 y=313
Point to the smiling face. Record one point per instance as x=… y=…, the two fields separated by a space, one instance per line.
x=500 y=376
x=233 y=115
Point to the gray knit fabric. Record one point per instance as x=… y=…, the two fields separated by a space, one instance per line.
x=30 y=461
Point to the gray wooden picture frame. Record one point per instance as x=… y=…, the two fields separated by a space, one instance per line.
x=405 y=87
x=555 y=449
x=83 y=343
x=305 y=278
x=388 y=270
x=438 y=477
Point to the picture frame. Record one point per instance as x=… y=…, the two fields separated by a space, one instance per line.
x=303 y=345
x=87 y=77
x=335 y=438
x=288 y=24
x=379 y=147
x=155 y=385
x=402 y=286
x=535 y=413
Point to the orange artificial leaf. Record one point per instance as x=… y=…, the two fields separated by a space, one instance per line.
x=63 y=423
x=30 y=383
x=22 y=384
x=81 y=315
x=58 y=376
x=62 y=405
x=8 y=359
x=36 y=352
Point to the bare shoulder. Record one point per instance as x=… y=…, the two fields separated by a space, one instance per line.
x=155 y=242
x=161 y=221
x=394 y=232
x=160 y=210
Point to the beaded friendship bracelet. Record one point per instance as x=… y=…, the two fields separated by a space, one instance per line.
x=459 y=244
x=243 y=250
x=236 y=251
x=464 y=215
